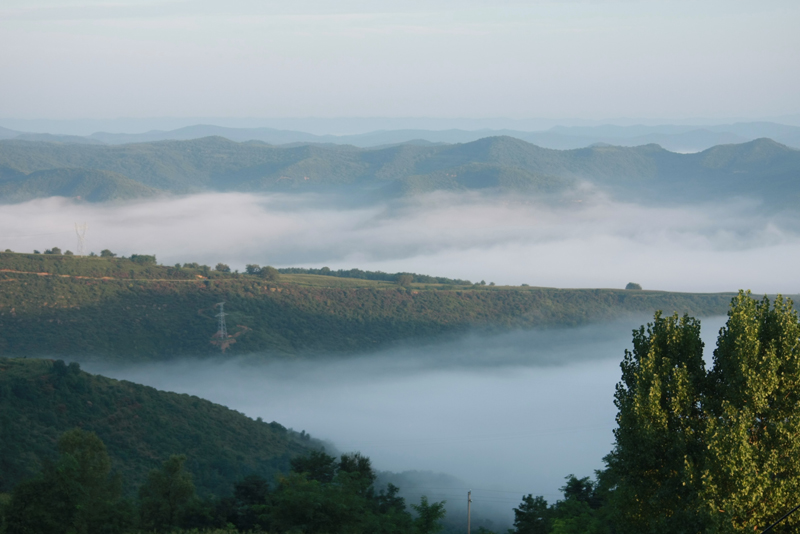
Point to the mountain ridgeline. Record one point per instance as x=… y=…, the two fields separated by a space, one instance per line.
x=31 y=169
x=133 y=309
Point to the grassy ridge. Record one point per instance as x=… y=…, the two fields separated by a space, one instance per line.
x=92 y=307
x=141 y=426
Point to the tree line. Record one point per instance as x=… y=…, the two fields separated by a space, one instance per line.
x=79 y=493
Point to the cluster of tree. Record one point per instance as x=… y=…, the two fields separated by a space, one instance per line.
x=78 y=493
x=267 y=272
x=583 y=510
x=377 y=275
x=697 y=450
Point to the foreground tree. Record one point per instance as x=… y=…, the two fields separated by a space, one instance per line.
x=657 y=459
x=166 y=495
x=752 y=474
x=532 y=516
x=76 y=494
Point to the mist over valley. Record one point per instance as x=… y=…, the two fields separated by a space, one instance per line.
x=507 y=414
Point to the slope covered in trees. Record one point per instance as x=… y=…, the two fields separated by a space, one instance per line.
x=141 y=427
x=78 y=492
x=131 y=308
x=761 y=167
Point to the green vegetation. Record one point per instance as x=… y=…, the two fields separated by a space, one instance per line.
x=376 y=275
x=30 y=169
x=696 y=451
x=141 y=426
x=129 y=308
x=78 y=494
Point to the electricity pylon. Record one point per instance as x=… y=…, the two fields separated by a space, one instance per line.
x=80 y=230
x=222 y=330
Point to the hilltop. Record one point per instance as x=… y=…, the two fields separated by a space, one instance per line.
x=141 y=426
x=30 y=169
x=134 y=309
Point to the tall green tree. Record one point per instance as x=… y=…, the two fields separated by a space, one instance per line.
x=532 y=516
x=656 y=462
x=76 y=494
x=752 y=474
x=165 y=496
x=429 y=516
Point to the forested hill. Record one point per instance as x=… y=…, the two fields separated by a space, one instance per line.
x=133 y=309
x=141 y=426
x=31 y=169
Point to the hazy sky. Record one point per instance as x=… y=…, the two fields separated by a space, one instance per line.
x=445 y=58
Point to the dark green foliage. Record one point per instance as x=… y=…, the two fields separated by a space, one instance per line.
x=428 y=520
x=141 y=426
x=165 y=496
x=404 y=280
x=532 y=516
x=316 y=466
x=582 y=511
x=222 y=268
x=143 y=259
x=269 y=273
x=76 y=494
x=633 y=285
x=166 y=312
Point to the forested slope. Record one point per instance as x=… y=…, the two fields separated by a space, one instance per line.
x=29 y=169
x=114 y=308
x=141 y=426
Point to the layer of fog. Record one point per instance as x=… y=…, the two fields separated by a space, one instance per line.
x=586 y=241
x=508 y=415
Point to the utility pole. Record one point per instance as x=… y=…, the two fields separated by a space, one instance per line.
x=469 y=505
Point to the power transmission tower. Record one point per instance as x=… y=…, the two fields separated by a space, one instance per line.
x=222 y=330
x=80 y=230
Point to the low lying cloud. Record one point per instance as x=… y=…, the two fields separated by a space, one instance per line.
x=591 y=242
x=508 y=414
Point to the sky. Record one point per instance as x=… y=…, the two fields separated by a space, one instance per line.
x=438 y=58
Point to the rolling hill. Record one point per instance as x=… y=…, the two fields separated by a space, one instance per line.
x=141 y=427
x=760 y=168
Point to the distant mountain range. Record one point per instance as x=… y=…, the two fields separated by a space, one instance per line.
x=95 y=172
x=677 y=138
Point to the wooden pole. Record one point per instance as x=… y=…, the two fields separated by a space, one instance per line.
x=469 y=505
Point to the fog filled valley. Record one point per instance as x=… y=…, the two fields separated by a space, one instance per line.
x=399 y=267
x=488 y=380
x=505 y=415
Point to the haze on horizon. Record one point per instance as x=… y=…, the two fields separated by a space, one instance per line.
x=581 y=59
